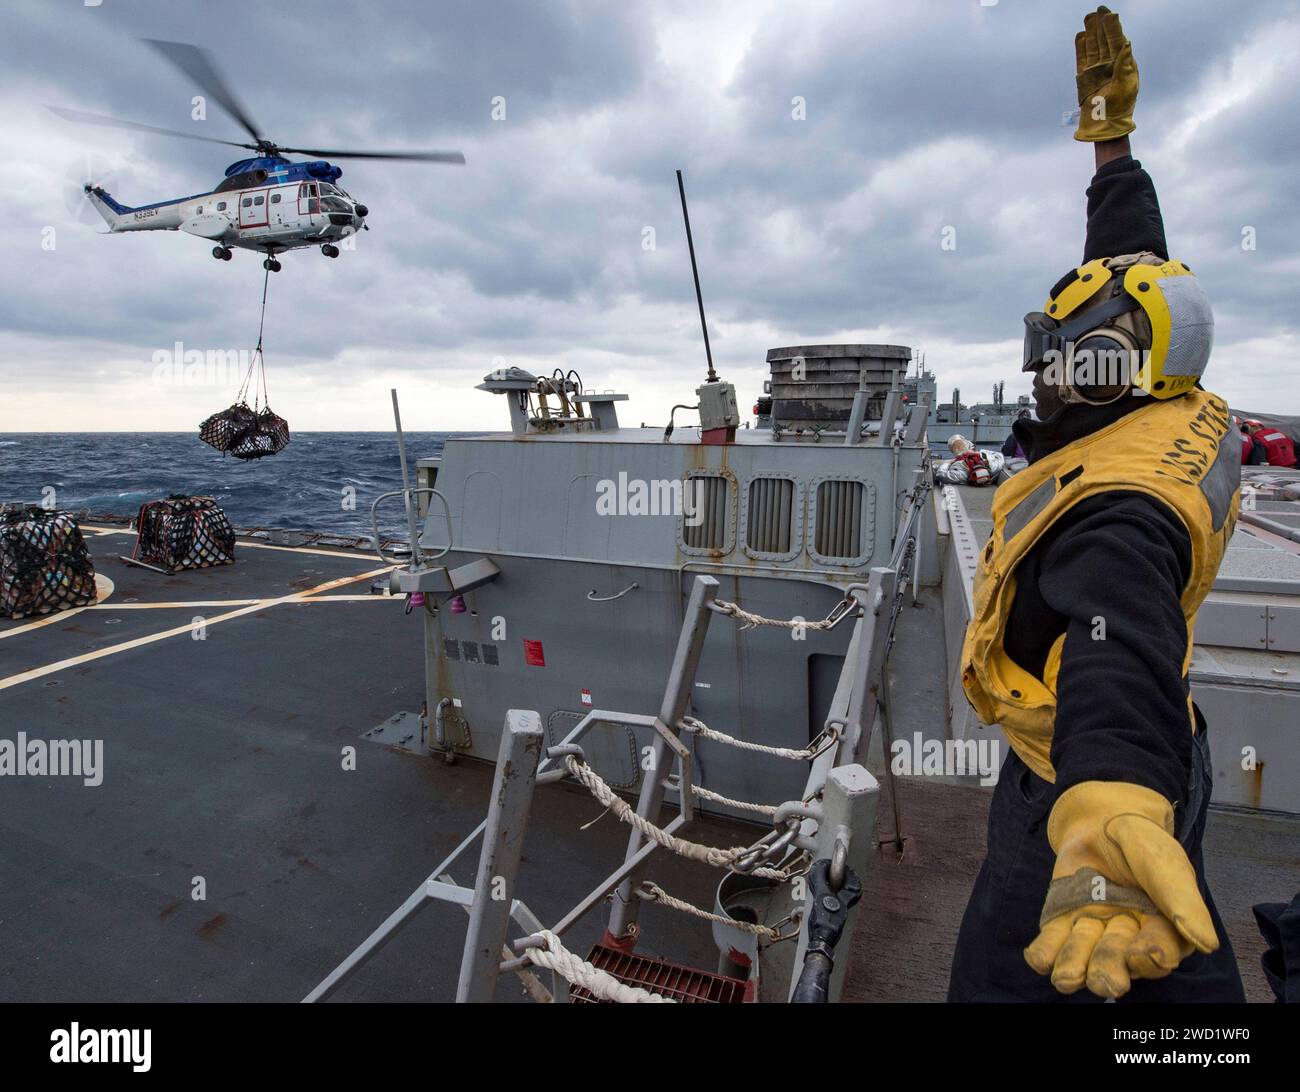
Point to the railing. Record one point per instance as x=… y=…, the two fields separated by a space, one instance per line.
x=832 y=821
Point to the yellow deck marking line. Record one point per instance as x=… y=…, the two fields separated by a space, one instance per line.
x=251 y=545
x=195 y=603
x=385 y=597
x=228 y=603
x=139 y=642
x=103 y=589
x=358 y=555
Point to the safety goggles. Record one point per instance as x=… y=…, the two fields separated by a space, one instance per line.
x=1043 y=334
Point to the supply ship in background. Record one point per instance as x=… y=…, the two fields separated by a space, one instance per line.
x=343 y=750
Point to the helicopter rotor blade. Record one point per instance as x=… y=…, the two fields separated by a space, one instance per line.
x=419 y=157
x=84 y=118
x=200 y=66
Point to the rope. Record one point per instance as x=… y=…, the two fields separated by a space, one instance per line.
x=742 y=805
x=749 y=619
x=657 y=894
x=258 y=357
x=556 y=957
x=713 y=855
x=699 y=728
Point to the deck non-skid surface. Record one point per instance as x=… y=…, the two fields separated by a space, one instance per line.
x=223 y=769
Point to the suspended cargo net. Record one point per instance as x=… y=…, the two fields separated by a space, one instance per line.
x=244 y=431
x=184 y=533
x=44 y=563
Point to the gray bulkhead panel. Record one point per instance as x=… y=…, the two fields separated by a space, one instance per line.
x=538 y=495
x=532 y=638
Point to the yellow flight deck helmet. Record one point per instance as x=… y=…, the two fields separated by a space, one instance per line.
x=1132 y=322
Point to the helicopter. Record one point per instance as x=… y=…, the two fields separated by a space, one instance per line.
x=266 y=202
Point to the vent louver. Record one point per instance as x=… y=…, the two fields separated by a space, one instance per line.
x=839 y=519
x=705 y=505
x=770 y=508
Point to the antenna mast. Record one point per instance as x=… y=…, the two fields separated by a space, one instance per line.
x=695 y=272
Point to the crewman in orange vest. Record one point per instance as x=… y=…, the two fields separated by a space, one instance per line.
x=1278 y=448
x=1080 y=642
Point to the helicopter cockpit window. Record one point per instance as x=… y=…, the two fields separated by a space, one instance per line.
x=307 y=189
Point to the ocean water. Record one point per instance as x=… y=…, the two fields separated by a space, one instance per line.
x=308 y=485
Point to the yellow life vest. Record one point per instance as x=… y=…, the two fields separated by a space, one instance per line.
x=1183 y=452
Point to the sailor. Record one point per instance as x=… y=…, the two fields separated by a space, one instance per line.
x=1278 y=448
x=1011 y=446
x=1079 y=647
x=1252 y=451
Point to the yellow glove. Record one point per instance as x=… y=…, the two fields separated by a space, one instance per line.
x=1106 y=76
x=1123 y=901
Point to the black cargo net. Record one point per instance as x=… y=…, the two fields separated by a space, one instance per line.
x=184 y=533
x=244 y=431
x=44 y=563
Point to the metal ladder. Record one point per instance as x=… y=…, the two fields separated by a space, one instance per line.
x=837 y=824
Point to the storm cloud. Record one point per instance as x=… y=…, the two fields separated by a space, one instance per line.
x=828 y=148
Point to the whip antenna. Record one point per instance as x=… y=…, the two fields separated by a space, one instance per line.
x=695 y=272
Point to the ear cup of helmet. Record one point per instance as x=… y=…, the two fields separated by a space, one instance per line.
x=1102 y=365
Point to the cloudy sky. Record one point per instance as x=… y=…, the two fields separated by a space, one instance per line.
x=921 y=117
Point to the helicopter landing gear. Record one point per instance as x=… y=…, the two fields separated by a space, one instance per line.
x=330 y=250
x=271 y=264
x=221 y=253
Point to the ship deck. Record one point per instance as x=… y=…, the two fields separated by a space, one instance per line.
x=223 y=760
x=223 y=774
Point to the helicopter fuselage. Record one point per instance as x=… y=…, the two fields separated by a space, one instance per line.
x=267 y=203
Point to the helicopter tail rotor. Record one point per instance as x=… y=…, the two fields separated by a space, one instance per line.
x=84 y=174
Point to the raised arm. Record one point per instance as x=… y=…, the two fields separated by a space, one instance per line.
x=1123 y=212
x=1107 y=151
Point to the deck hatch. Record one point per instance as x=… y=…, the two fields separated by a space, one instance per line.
x=610 y=748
